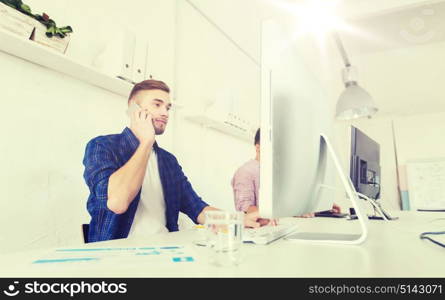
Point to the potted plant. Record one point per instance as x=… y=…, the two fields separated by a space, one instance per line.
x=45 y=30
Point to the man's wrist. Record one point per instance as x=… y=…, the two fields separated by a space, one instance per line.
x=146 y=143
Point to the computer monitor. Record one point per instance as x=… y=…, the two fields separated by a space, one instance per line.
x=296 y=124
x=290 y=136
x=365 y=164
x=365 y=171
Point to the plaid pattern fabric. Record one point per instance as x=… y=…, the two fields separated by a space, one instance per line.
x=106 y=154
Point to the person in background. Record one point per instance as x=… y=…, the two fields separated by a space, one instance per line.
x=246 y=181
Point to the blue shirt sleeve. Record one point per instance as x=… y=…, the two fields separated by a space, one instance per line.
x=191 y=204
x=99 y=166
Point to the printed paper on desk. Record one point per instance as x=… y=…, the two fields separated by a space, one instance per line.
x=138 y=255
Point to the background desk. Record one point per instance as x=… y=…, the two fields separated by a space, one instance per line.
x=392 y=250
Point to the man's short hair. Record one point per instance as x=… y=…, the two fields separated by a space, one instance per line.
x=257 y=137
x=149 y=84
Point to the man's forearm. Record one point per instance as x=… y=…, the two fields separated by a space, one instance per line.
x=125 y=183
x=201 y=217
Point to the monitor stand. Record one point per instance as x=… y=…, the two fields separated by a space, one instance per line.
x=377 y=208
x=343 y=238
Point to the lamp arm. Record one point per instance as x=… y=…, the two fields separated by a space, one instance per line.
x=341 y=48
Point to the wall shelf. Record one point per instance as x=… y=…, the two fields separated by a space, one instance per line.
x=223 y=126
x=46 y=57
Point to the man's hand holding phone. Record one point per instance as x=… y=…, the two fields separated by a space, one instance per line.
x=141 y=124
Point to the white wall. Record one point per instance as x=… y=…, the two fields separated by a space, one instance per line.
x=46 y=122
x=47 y=118
x=210 y=68
x=420 y=137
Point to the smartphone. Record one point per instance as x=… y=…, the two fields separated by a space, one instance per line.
x=132 y=108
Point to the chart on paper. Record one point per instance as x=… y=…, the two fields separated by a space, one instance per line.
x=426 y=184
x=137 y=255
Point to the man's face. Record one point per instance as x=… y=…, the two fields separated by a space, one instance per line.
x=157 y=103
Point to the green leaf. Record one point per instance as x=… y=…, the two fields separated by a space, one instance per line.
x=51 y=27
x=51 y=22
x=16 y=3
x=10 y=3
x=26 y=9
x=66 y=29
x=51 y=31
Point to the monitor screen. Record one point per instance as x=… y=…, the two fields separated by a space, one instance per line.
x=365 y=164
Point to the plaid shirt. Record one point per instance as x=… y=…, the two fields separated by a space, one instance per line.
x=104 y=155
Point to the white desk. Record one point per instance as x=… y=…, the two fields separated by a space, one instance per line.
x=392 y=250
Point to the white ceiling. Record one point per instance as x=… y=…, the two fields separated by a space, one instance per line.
x=400 y=56
x=397 y=46
x=403 y=28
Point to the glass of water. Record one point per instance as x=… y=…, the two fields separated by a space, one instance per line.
x=224 y=236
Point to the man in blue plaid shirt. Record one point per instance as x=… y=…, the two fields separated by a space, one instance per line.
x=136 y=187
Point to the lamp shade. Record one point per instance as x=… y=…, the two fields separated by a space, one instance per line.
x=355 y=103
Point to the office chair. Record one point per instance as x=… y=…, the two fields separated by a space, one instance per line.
x=85 y=229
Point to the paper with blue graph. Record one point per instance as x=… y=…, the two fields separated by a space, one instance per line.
x=138 y=255
x=426 y=183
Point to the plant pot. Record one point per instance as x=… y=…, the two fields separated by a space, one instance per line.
x=55 y=42
x=11 y=20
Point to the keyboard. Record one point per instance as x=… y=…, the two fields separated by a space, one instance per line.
x=330 y=214
x=267 y=234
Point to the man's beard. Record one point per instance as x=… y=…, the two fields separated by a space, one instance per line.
x=158 y=131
